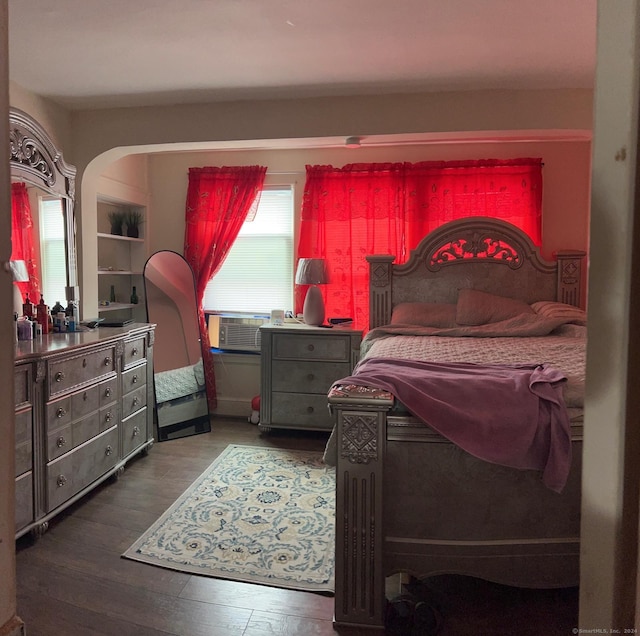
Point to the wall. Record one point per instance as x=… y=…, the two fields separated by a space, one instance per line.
x=610 y=482
x=10 y=624
x=53 y=118
x=565 y=197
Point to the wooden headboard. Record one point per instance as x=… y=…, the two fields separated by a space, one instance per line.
x=477 y=252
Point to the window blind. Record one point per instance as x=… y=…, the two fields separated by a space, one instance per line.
x=52 y=251
x=257 y=275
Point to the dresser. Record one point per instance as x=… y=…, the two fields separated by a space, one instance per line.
x=298 y=365
x=83 y=408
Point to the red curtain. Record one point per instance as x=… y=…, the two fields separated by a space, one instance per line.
x=22 y=240
x=218 y=202
x=362 y=209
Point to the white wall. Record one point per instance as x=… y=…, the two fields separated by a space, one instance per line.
x=609 y=552
x=9 y=623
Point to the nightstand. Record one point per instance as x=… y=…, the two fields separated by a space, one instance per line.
x=298 y=365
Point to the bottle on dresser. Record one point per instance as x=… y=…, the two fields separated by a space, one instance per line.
x=42 y=315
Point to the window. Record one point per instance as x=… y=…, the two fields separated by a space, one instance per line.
x=257 y=275
x=52 y=251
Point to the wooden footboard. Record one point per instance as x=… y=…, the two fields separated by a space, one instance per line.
x=409 y=500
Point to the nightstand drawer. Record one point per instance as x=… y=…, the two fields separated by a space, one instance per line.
x=306 y=377
x=309 y=347
x=303 y=410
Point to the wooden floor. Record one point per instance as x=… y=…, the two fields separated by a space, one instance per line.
x=73 y=581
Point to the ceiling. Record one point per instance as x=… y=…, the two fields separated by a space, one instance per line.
x=115 y=53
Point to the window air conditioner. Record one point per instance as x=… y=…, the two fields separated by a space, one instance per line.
x=236 y=332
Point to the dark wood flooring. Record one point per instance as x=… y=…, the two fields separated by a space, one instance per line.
x=73 y=582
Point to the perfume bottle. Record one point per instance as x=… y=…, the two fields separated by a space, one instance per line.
x=134 y=296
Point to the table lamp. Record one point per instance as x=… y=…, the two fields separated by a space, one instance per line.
x=312 y=271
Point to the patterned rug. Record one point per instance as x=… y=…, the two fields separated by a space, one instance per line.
x=259 y=515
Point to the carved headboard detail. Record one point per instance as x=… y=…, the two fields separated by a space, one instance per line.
x=477 y=252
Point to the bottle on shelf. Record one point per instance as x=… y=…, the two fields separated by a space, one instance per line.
x=42 y=315
x=27 y=307
x=134 y=296
x=112 y=294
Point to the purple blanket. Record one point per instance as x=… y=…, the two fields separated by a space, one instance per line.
x=509 y=415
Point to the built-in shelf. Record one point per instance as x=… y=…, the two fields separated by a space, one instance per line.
x=119 y=237
x=116 y=272
x=115 y=307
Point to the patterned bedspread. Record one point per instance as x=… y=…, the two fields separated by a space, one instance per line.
x=177 y=383
x=563 y=352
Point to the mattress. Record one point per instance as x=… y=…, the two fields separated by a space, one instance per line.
x=564 y=352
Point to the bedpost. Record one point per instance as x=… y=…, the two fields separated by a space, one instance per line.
x=380 y=288
x=570 y=276
x=361 y=441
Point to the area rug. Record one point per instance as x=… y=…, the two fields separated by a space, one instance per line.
x=259 y=515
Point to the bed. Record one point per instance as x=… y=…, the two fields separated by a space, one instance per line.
x=408 y=498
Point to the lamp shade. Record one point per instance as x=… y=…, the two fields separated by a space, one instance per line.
x=312 y=271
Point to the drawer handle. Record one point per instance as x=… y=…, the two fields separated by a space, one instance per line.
x=60 y=412
x=60 y=442
x=59 y=376
x=310 y=347
x=134 y=379
x=309 y=409
x=108 y=450
x=135 y=401
x=84 y=362
x=311 y=377
x=136 y=431
x=107 y=417
x=107 y=392
x=134 y=351
x=61 y=481
x=107 y=361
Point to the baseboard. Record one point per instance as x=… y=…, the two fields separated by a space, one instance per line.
x=228 y=407
x=13 y=627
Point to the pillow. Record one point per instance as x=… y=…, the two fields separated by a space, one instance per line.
x=479 y=308
x=552 y=309
x=424 y=314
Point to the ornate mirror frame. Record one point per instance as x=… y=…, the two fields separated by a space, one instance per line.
x=35 y=159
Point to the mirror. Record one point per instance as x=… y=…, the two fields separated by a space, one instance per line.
x=36 y=162
x=179 y=382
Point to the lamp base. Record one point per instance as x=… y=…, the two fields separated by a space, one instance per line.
x=313 y=308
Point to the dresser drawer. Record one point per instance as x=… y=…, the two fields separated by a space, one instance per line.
x=66 y=374
x=22 y=385
x=306 y=377
x=108 y=391
x=134 y=431
x=24 y=500
x=64 y=439
x=58 y=414
x=24 y=442
x=133 y=401
x=109 y=415
x=310 y=347
x=134 y=378
x=302 y=410
x=134 y=351
x=84 y=402
x=72 y=472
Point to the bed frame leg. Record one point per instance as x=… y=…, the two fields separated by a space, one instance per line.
x=360 y=582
